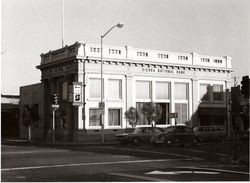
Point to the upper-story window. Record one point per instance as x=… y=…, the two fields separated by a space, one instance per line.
x=217 y=92
x=114 y=89
x=143 y=89
x=95 y=88
x=142 y=54
x=95 y=49
x=180 y=57
x=161 y=55
x=115 y=51
x=162 y=90
x=217 y=61
x=181 y=91
x=204 y=92
x=205 y=59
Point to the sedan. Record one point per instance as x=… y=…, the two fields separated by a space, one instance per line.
x=176 y=135
x=138 y=135
x=210 y=133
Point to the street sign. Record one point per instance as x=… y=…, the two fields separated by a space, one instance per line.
x=101 y=111
x=101 y=105
x=55 y=106
x=173 y=115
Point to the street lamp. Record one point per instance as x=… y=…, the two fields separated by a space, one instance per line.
x=102 y=105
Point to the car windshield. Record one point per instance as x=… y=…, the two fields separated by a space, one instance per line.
x=138 y=130
x=148 y=130
x=170 y=129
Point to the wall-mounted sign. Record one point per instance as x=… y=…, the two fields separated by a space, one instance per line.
x=75 y=93
x=101 y=105
x=164 y=71
x=173 y=115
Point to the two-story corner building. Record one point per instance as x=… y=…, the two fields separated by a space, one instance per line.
x=191 y=85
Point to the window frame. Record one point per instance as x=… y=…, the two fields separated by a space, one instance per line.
x=120 y=117
x=120 y=89
x=218 y=93
x=168 y=89
x=149 y=90
x=187 y=91
x=93 y=126
x=208 y=92
x=99 y=91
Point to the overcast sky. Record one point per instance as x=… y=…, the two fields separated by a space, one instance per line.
x=209 y=27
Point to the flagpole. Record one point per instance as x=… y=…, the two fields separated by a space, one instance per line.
x=62 y=23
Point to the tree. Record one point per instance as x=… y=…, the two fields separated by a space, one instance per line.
x=131 y=115
x=30 y=118
x=153 y=112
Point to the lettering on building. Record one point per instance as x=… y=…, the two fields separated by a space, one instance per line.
x=167 y=71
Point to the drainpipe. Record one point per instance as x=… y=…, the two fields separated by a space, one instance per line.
x=126 y=95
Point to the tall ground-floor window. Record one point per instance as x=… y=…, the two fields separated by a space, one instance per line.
x=94 y=117
x=182 y=110
x=114 y=117
x=143 y=120
x=164 y=115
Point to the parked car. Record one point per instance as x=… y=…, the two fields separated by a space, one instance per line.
x=176 y=135
x=210 y=133
x=245 y=134
x=138 y=135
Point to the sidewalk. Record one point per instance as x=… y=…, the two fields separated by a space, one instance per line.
x=237 y=154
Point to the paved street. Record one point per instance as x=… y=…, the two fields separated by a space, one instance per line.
x=120 y=163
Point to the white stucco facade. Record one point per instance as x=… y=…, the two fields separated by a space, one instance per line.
x=133 y=77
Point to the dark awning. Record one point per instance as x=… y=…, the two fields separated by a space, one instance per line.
x=212 y=111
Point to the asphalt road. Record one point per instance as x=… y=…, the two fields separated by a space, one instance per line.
x=119 y=164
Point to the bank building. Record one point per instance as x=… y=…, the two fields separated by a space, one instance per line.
x=190 y=85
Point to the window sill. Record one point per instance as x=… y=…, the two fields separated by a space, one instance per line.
x=114 y=100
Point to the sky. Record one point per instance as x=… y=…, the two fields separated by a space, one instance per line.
x=207 y=27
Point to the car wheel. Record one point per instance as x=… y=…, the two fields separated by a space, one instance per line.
x=183 y=145
x=168 y=142
x=196 y=141
x=136 y=141
x=219 y=138
x=123 y=143
x=200 y=139
x=154 y=144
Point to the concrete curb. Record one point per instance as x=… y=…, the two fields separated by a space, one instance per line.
x=50 y=143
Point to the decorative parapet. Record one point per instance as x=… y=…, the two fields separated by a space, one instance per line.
x=130 y=54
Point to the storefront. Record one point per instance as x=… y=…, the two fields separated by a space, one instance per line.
x=178 y=82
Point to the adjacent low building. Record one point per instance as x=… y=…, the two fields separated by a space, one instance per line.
x=187 y=84
x=31 y=110
x=9 y=116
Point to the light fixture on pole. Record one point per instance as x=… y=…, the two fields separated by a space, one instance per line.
x=102 y=104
